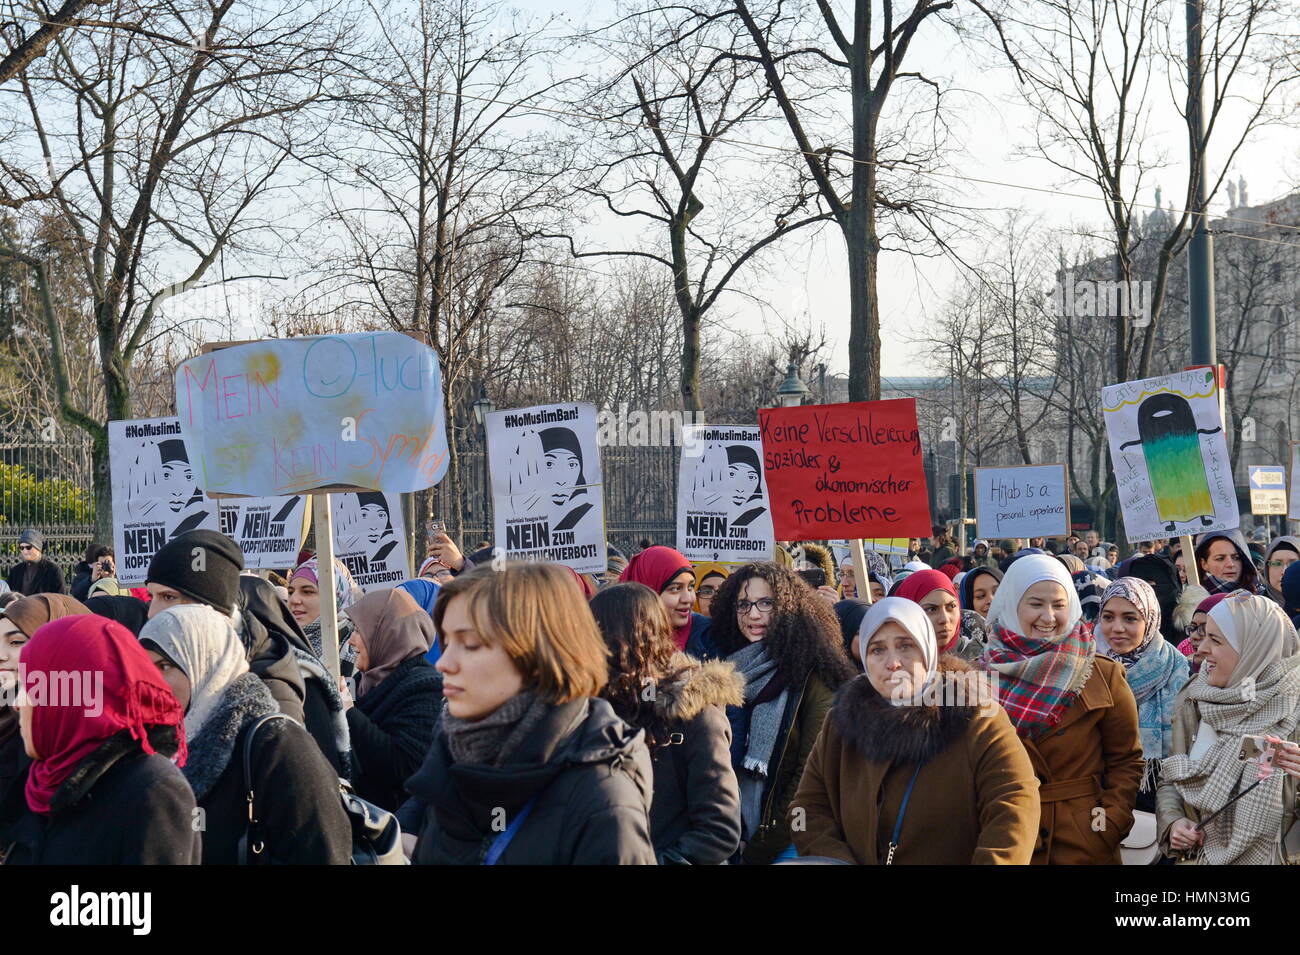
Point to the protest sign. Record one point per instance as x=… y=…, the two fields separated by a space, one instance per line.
x=722 y=512
x=336 y=411
x=1022 y=501
x=1171 y=460
x=546 y=485
x=269 y=530
x=155 y=496
x=369 y=538
x=845 y=470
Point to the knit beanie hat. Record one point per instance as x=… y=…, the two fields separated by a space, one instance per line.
x=34 y=537
x=211 y=578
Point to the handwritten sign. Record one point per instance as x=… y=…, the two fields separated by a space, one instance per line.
x=845 y=470
x=155 y=496
x=722 y=512
x=547 y=488
x=268 y=530
x=1171 y=459
x=370 y=538
x=281 y=417
x=1024 y=501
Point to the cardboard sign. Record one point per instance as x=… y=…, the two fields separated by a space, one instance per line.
x=845 y=470
x=1022 y=501
x=336 y=411
x=370 y=538
x=269 y=530
x=722 y=511
x=1171 y=459
x=155 y=495
x=547 y=488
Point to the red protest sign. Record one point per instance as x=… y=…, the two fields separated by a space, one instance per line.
x=845 y=470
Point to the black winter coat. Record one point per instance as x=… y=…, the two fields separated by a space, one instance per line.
x=13 y=781
x=590 y=774
x=119 y=807
x=391 y=729
x=48 y=579
x=81 y=581
x=695 y=816
x=296 y=791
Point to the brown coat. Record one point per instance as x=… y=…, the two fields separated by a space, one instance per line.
x=1092 y=759
x=974 y=801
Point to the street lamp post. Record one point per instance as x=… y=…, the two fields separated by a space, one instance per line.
x=792 y=391
x=484 y=406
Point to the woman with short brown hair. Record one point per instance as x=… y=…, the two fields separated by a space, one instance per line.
x=526 y=768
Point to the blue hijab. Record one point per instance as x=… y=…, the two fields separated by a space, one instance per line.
x=424 y=592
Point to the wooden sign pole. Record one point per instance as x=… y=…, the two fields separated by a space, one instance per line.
x=323 y=524
x=862 y=579
x=1189 y=562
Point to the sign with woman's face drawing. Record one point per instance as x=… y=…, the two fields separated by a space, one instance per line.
x=155 y=496
x=1172 y=468
x=268 y=530
x=722 y=510
x=370 y=538
x=547 y=488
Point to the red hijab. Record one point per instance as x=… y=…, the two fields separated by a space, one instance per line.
x=917 y=585
x=657 y=567
x=133 y=696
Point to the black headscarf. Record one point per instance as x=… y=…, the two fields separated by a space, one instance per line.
x=263 y=609
x=966 y=593
x=850 y=613
x=130 y=612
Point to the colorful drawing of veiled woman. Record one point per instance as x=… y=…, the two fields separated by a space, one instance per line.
x=1171 y=446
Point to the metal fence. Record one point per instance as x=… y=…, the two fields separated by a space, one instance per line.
x=46 y=482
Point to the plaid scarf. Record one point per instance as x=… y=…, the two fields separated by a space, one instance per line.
x=1039 y=678
x=1249 y=830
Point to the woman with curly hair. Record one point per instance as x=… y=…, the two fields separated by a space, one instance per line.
x=785 y=641
x=678 y=702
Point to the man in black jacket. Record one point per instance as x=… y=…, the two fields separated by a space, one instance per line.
x=35 y=573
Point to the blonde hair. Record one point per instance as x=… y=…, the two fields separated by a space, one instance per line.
x=539 y=617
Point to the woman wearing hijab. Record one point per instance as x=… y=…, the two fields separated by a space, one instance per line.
x=1189 y=617
x=900 y=775
x=708 y=578
x=695 y=813
x=130 y=612
x=958 y=631
x=1128 y=632
x=1225 y=563
x=785 y=641
x=1072 y=710
x=1247 y=687
x=978 y=587
x=197 y=652
x=304 y=604
x=671 y=576
x=850 y=614
x=398 y=696
x=1291 y=593
x=425 y=593
x=102 y=788
x=1282 y=553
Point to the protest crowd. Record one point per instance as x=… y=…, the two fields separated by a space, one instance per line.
x=1047 y=701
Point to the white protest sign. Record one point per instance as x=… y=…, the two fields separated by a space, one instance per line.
x=155 y=496
x=1170 y=457
x=336 y=411
x=1293 y=489
x=722 y=512
x=370 y=538
x=547 y=486
x=267 y=529
x=1022 y=501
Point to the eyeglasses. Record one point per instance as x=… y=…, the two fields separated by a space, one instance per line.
x=1280 y=563
x=1192 y=629
x=764 y=605
x=706 y=592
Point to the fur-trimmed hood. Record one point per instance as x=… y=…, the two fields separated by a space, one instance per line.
x=695 y=686
x=244 y=701
x=882 y=732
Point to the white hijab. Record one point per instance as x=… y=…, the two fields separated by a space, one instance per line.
x=1256 y=628
x=203 y=643
x=908 y=615
x=1023 y=573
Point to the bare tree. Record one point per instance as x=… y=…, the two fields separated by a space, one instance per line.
x=23 y=46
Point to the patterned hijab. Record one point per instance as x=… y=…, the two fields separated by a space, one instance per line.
x=346 y=592
x=1039 y=676
x=1156 y=671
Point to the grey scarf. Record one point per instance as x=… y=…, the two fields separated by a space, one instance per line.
x=754 y=664
x=491 y=740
